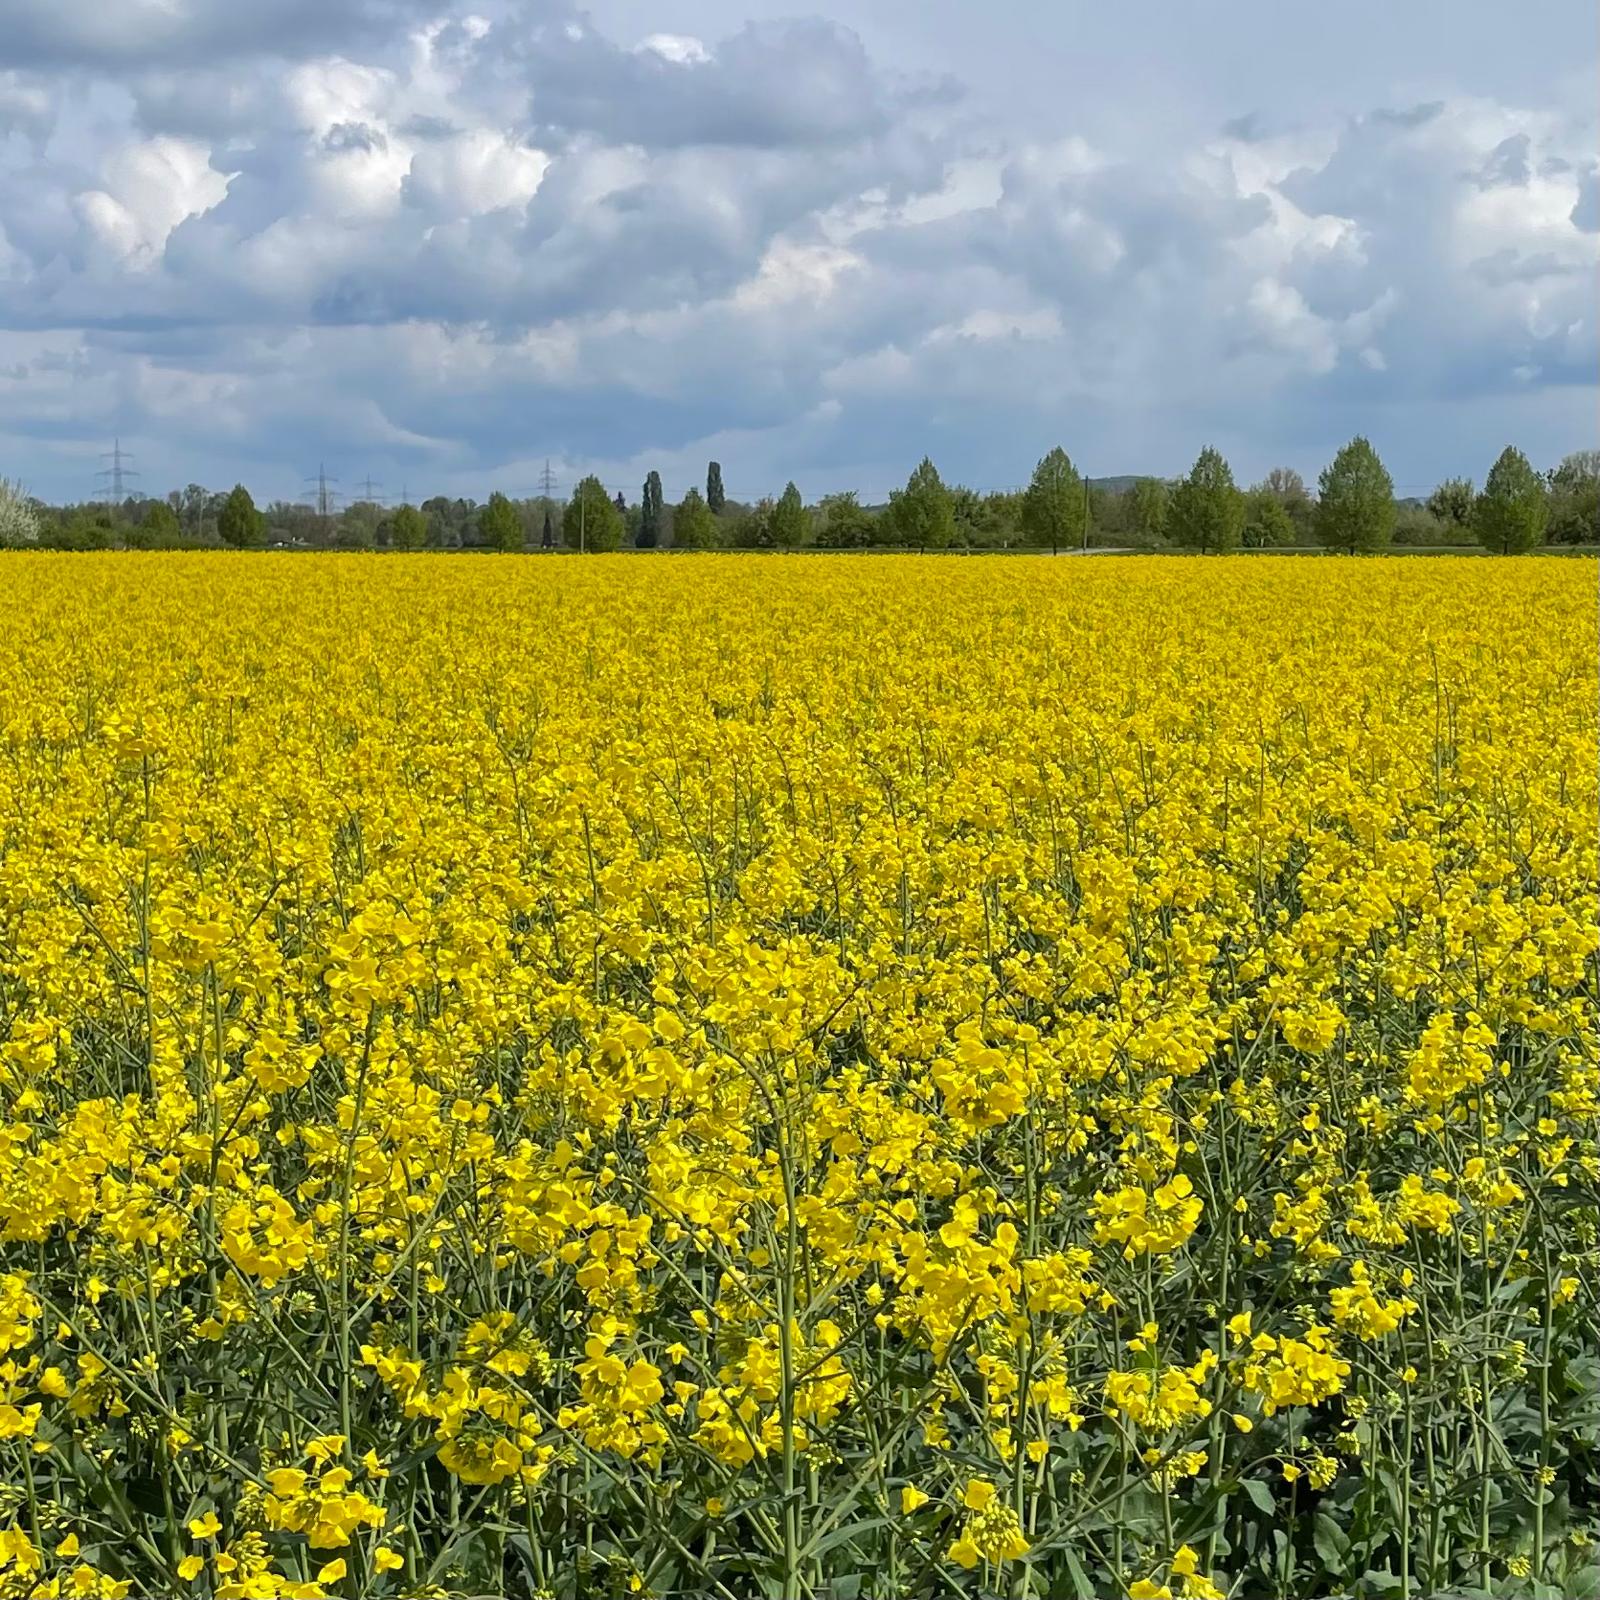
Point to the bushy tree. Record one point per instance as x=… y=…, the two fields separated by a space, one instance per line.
x=1509 y=516
x=1054 y=507
x=19 y=521
x=1417 y=525
x=239 y=523
x=1575 y=499
x=843 y=522
x=499 y=526
x=547 y=537
x=450 y=522
x=1451 y=503
x=752 y=527
x=408 y=529
x=1267 y=523
x=715 y=498
x=1288 y=488
x=921 y=514
x=591 y=520
x=159 y=525
x=1355 y=503
x=1206 y=511
x=1148 y=503
x=789 y=518
x=693 y=526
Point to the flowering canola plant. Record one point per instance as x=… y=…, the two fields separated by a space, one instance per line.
x=772 y=1076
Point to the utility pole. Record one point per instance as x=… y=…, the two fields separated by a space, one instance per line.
x=113 y=479
x=370 y=491
x=1086 y=511
x=323 y=497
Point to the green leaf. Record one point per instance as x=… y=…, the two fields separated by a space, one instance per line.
x=843 y=1535
x=1260 y=1496
x=1082 y=1588
x=1332 y=1546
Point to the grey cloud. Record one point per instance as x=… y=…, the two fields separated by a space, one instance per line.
x=534 y=242
x=771 y=85
x=1585 y=215
x=1507 y=163
x=99 y=33
x=353 y=136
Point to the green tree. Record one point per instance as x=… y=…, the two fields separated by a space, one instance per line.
x=1267 y=523
x=408 y=529
x=1289 y=489
x=547 y=537
x=715 y=498
x=1509 y=516
x=591 y=520
x=1149 y=500
x=752 y=528
x=1054 y=506
x=158 y=528
x=240 y=524
x=1575 y=499
x=922 y=513
x=1451 y=503
x=1206 y=511
x=845 y=523
x=1355 y=506
x=650 y=512
x=499 y=526
x=788 y=527
x=693 y=526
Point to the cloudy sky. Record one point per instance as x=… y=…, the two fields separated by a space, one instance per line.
x=436 y=243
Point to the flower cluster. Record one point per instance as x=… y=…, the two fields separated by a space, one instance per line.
x=790 y=1077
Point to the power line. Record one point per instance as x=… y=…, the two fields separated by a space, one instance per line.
x=370 y=491
x=114 y=485
x=322 y=496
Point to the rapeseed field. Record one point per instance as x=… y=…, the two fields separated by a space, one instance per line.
x=805 y=1077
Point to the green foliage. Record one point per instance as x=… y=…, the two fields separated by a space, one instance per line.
x=1149 y=500
x=1416 y=525
x=752 y=527
x=922 y=514
x=693 y=526
x=499 y=526
x=591 y=520
x=1575 y=499
x=1509 y=516
x=1267 y=523
x=240 y=524
x=1451 y=502
x=408 y=529
x=715 y=498
x=1355 y=509
x=1206 y=511
x=845 y=523
x=1054 y=506
x=157 y=529
x=650 y=512
x=789 y=519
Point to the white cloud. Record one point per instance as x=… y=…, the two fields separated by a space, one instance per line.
x=147 y=189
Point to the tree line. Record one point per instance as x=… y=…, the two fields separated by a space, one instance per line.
x=1354 y=508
